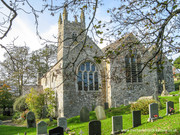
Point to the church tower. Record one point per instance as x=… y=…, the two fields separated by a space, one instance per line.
x=69 y=33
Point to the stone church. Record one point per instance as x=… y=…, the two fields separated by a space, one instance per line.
x=79 y=80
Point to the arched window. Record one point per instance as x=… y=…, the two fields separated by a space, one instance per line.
x=87 y=77
x=133 y=68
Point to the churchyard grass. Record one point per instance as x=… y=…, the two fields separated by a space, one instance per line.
x=169 y=125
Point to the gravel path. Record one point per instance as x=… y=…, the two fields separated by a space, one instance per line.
x=10 y=123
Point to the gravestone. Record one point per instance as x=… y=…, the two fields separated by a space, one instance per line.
x=31 y=121
x=164 y=92
x=106 y=106
x=56 y=131
x=84 y=114
x=62 y=122
x=50 y=119
x=169 y=105
x=136 y=118
x=100 y=113
x=153 y=112
x=95 y=127
x=1 y=122
x=117 y=124
x=44 y=112
x=42 y=128
x=126 y=102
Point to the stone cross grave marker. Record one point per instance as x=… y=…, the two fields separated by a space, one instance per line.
x=169 y=105
x=100 y=113
x=164 y=92
x=153 y=112
x=136 y=118
x=42 y=128
x=81 y=132
x=62 y=122
x=84 y=114
x=117 y=124
x=56 y=131
x=31 y=121
x=106 y=106
x=95 y=127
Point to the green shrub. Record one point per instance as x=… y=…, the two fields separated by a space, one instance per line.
x=177 y=83
x=142 y=105
x=16 y=115
x=20 y=104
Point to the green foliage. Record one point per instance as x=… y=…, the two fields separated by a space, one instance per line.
x=142 y=105
x=177 y=63
x=20 y=104
x=6 y=99
x=177 y=84
x=37 y=100
x=16 y=115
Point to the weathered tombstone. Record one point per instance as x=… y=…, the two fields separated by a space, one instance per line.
x=117 y=124
x=62 y=122
x=42 y=128
x=31 y=121
x=1 y=122
x=136 y=118
x=153 y=112
x=56 y=131
x=126 y=102
x=169 y=105
x=106 y=106
x=95 y=127
x=50 y=119
x=84 y=114
x=44 y=112
x=100 y=113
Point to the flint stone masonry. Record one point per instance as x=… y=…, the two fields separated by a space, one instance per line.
x=1 y=122
x=113 y=87
x=31 y=120
x=42 y=128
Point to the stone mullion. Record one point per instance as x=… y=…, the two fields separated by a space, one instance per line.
x=83 y=81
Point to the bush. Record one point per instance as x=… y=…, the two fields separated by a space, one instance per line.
x=20 y=104
x=142 y=105
x=16 y=115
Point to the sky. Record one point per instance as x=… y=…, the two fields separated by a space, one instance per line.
x=24 y=29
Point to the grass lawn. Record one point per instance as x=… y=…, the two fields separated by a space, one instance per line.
x=169 y=125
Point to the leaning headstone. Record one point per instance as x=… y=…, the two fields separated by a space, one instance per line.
x=62 y=122
x=42 y=128
x=100 y=113
x=136 y=118
x=56 y=131
x=169 y=107
x=84 y=114
x=31 y=121
x=106 y=106
x=153 y=112
x=1 y=122
x=95 y=127
x=117 y=124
